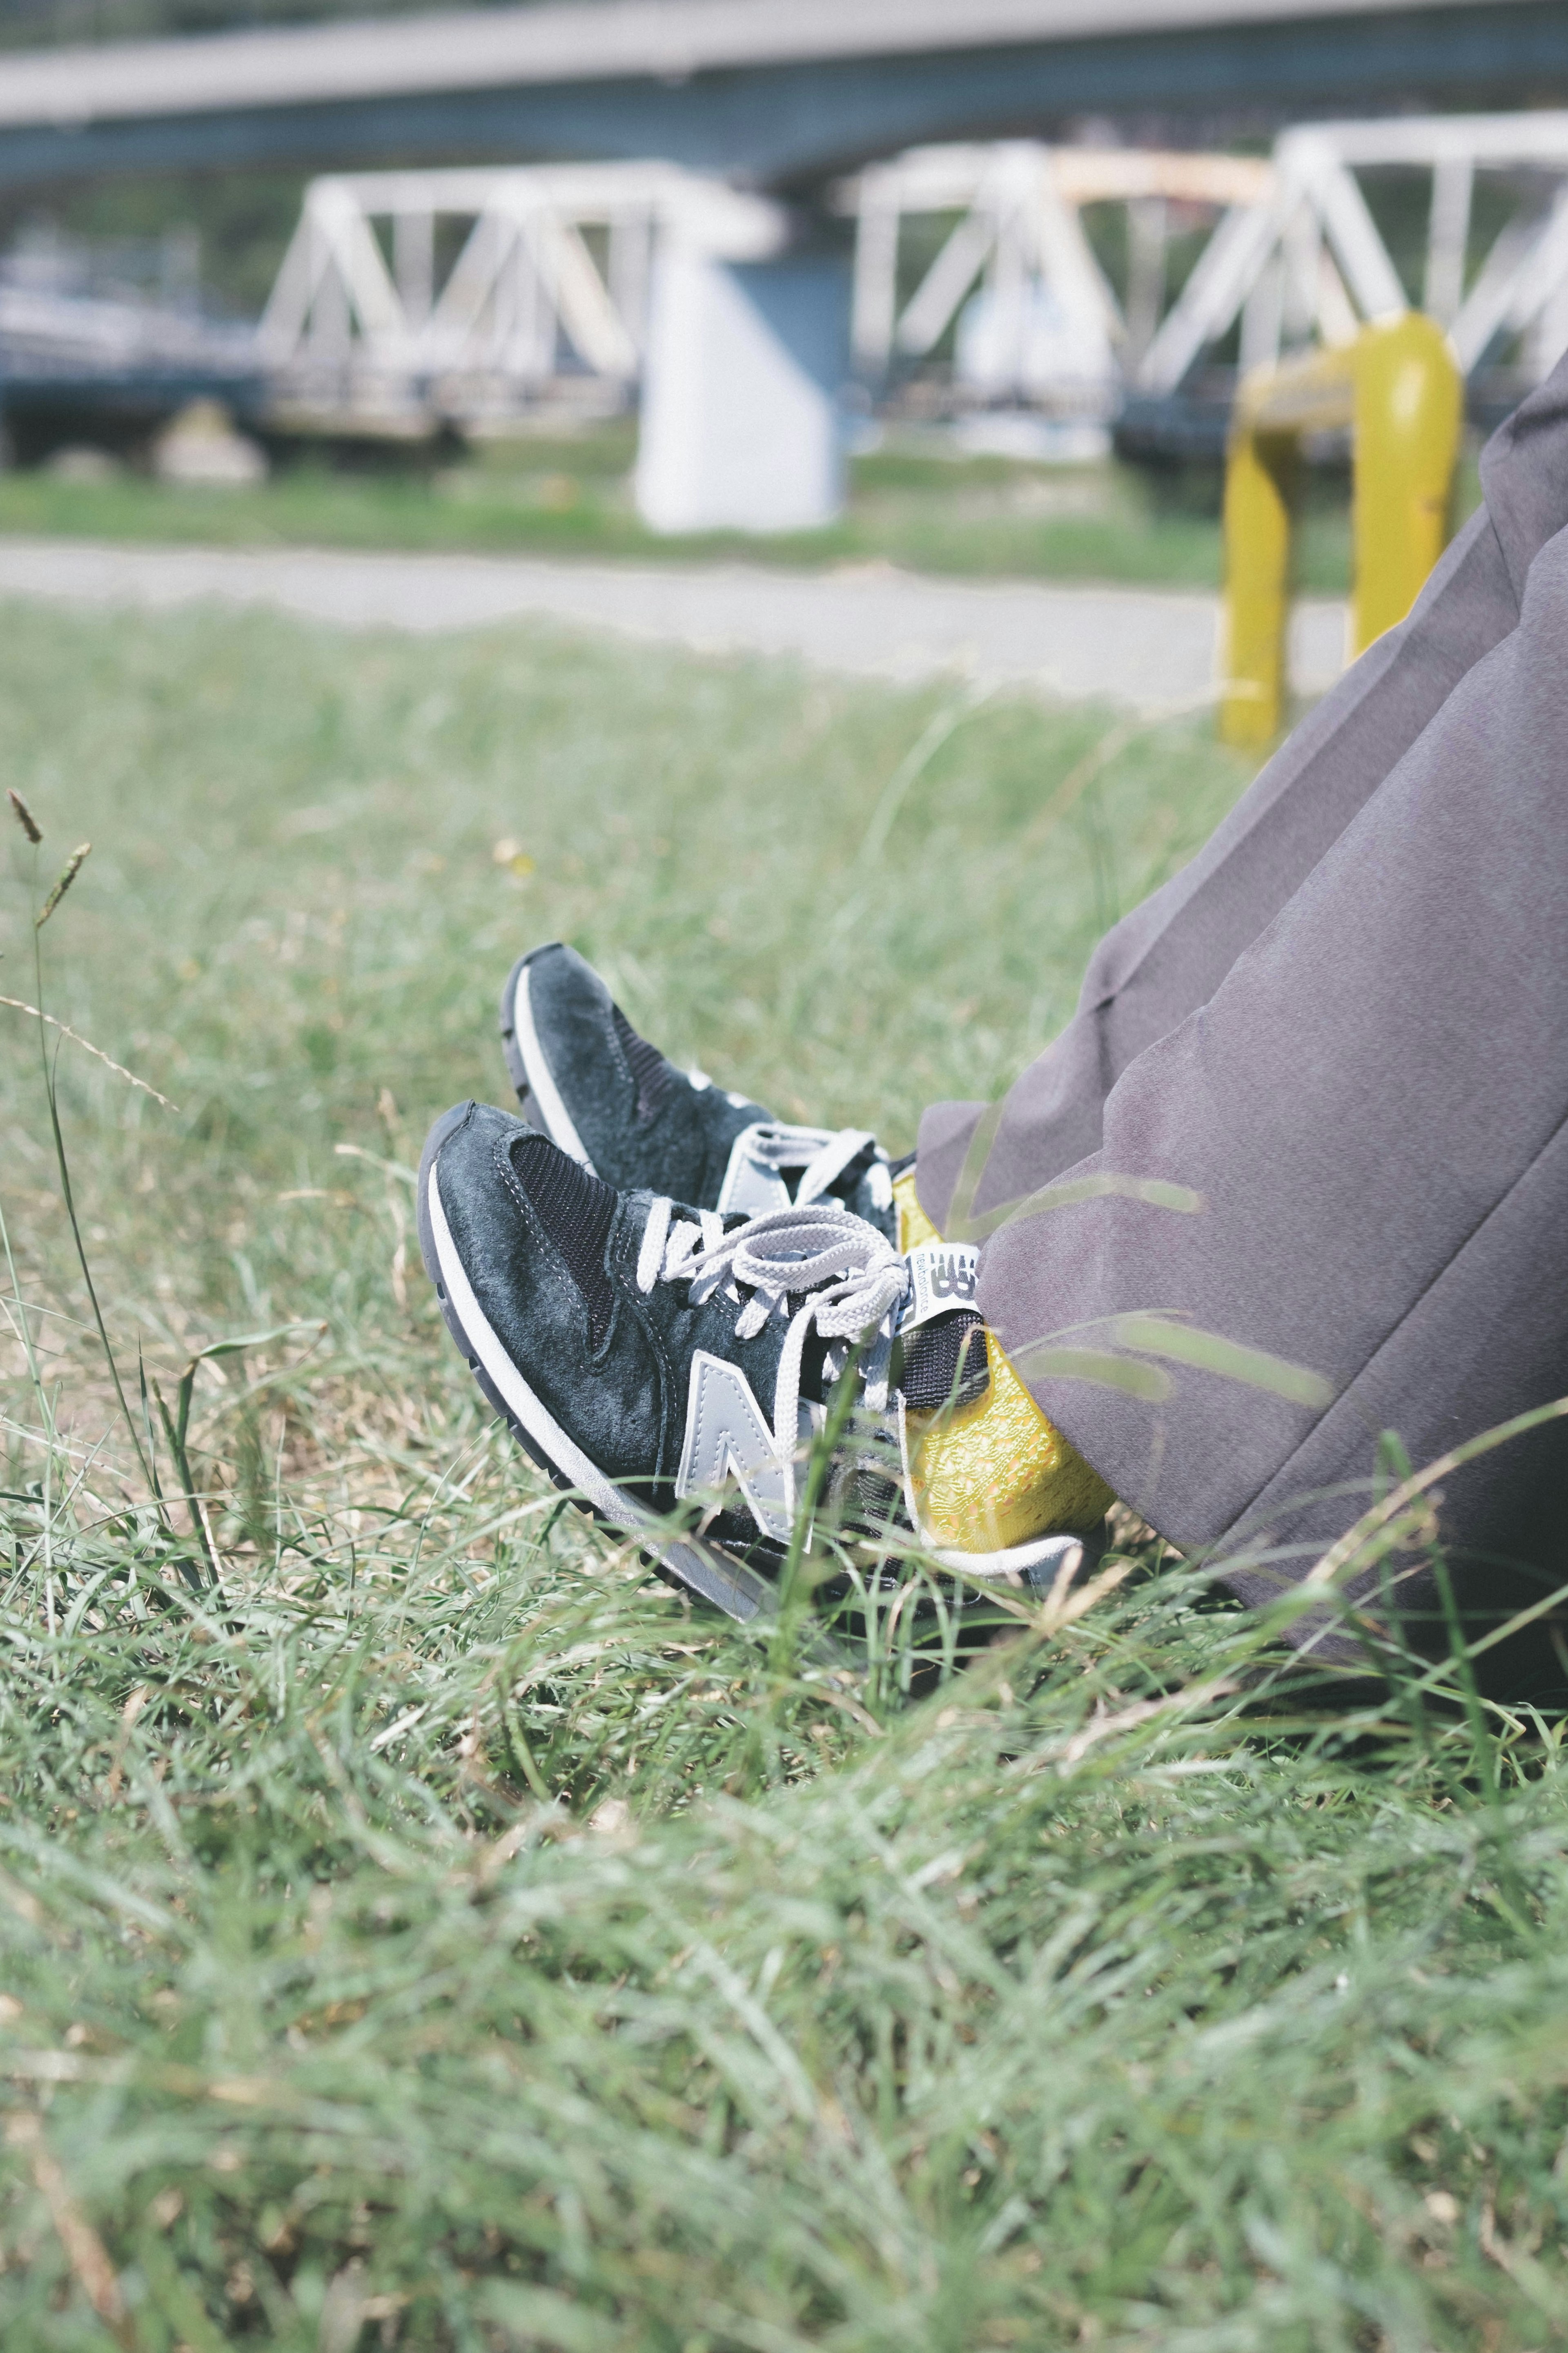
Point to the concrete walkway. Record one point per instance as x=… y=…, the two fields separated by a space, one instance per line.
x=1142 y=648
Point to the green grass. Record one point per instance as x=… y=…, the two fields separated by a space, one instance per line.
x=978 y=515
x=433 y=1935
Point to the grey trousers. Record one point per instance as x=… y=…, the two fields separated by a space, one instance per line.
x=1344 y=1027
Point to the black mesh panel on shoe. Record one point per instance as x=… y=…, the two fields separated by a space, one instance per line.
x=945 y=1360
x=574 y=1207
x=843 y=1185
x=647 y=1064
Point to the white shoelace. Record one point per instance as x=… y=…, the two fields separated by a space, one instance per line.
x=852 y=1277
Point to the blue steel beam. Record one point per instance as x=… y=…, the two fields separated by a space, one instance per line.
x=784 y=122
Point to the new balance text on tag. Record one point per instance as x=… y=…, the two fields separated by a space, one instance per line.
x=942 y=1276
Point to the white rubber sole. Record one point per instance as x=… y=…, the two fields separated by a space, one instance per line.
x=1037 y=1564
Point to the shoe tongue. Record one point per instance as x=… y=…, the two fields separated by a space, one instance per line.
x=945 y=1360
x=649 y=1070
x=846 y=1184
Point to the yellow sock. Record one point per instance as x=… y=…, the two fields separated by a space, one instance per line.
x=996 y=1473
x=914 y=1225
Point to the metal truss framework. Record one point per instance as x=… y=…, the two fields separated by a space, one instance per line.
x=551 y=279
x=1306 y=263
x=1020 y=239
x=552 y=275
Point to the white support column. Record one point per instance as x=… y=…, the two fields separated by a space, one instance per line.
x=629 y=262
x=741 y=422
x=287 y=312
x=1262 y=317
x=1006 y=289
x=1337 y=321
x=1147 y=231
x=949 y=279
x=330 y=331
x=1360 y=251
x=1453 y=181
x=413 y=263
x=1066 y=260
x=875 y=305
x=1301 y=253
x=527 y=349
x=1495 y=294
x=1226 y=273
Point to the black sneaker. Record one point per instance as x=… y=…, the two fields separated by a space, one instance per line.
x=651 y=1357
x=613 y=1102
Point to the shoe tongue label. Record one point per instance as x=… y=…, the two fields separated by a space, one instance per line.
x=942 y=1276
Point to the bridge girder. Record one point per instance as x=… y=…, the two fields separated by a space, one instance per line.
x=779 y=124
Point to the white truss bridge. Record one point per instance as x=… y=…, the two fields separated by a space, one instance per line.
x=1307 y=262
x=1294 y=255
x=1015 y=276
x=408 y=296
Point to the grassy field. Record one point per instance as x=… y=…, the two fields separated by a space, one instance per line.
x=417 y=1929
x=983 y=514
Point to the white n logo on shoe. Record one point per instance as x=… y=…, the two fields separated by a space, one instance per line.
x=726 y=1437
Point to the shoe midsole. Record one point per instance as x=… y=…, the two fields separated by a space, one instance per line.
x=1027 y=1560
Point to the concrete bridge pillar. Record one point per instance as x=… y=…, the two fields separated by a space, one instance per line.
x=742 y=427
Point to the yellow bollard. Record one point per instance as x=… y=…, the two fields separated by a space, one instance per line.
x=1409 y=411
x=1399 y=388
x=1259 y=491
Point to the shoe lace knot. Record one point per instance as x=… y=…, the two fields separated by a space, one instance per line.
x=848 y=1276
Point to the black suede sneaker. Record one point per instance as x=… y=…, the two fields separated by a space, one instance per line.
x=671 y=1367
x=613 y=1102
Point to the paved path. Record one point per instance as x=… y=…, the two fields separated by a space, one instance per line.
x=1144 y=647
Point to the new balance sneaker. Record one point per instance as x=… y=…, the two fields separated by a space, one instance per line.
x=672 y=1366
x=609 y=1099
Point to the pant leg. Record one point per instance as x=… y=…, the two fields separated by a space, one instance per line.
x=1372 y=1108
x=1169 y=955
x=1343 y=1025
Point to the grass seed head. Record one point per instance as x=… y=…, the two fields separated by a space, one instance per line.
x=69 y=873
x=24 y=817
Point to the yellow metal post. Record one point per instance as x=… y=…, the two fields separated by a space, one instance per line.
x=1399 y=389
x=1409 y=408
x=1259 y=490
